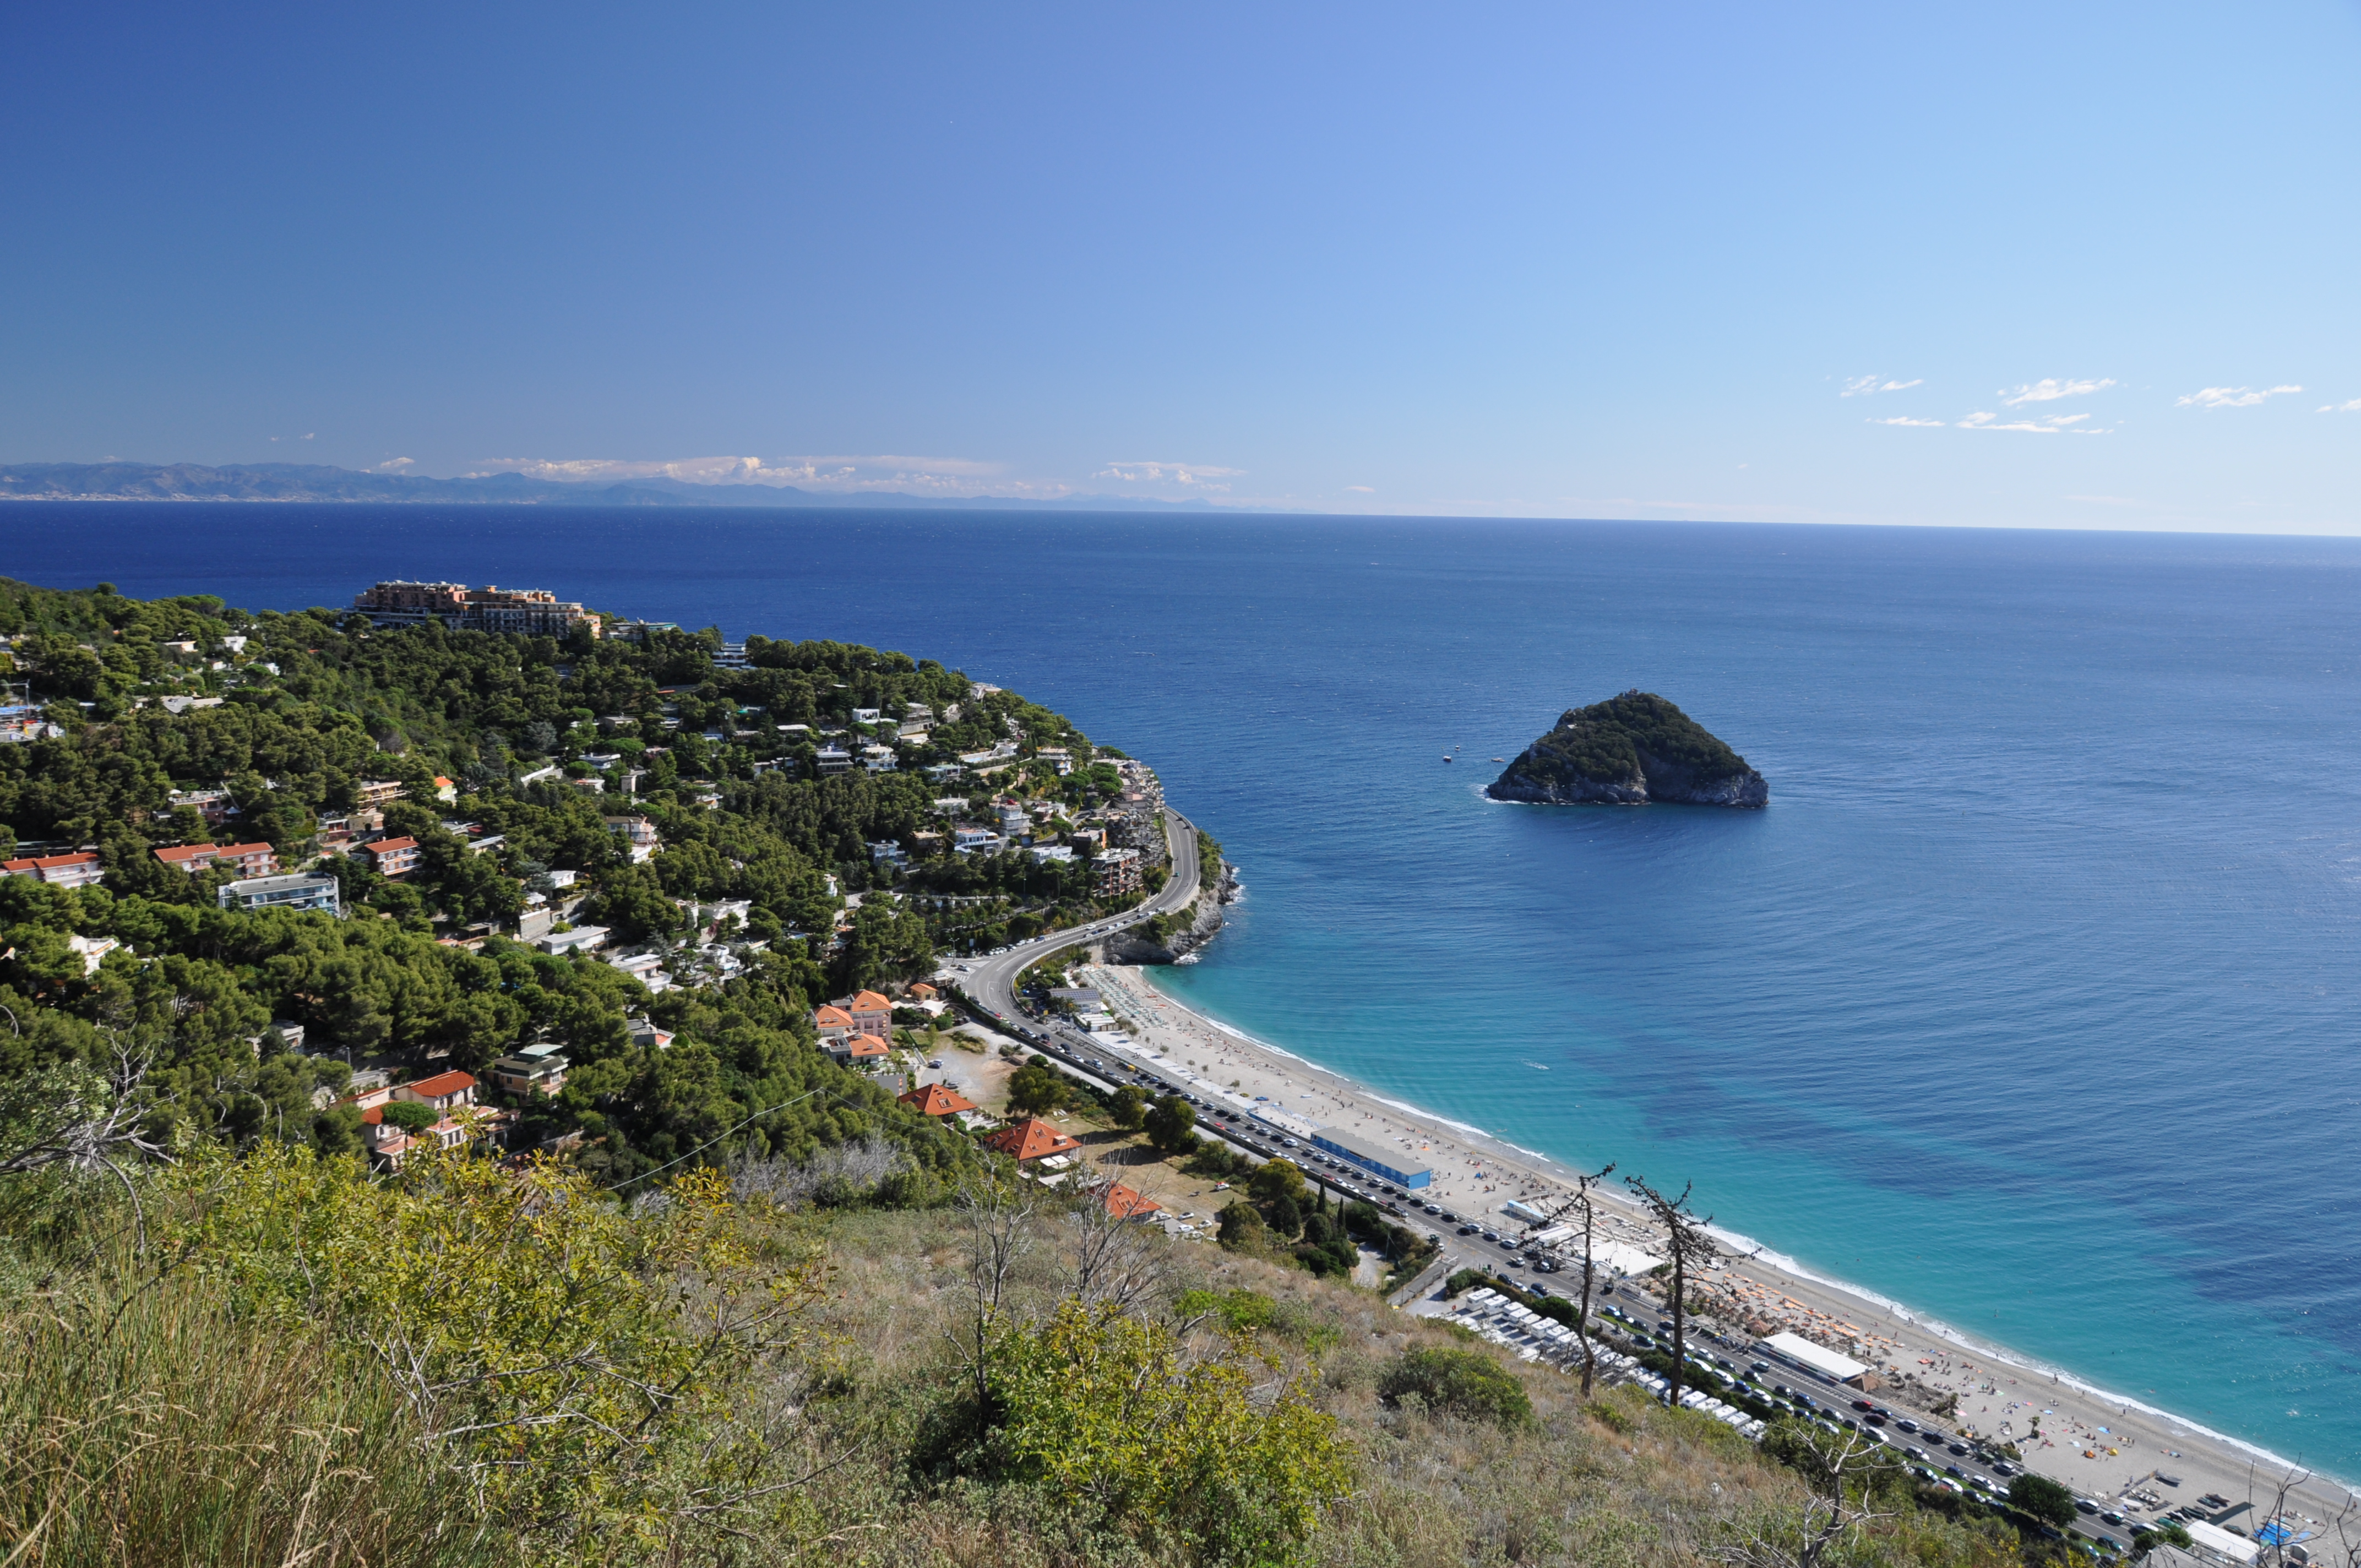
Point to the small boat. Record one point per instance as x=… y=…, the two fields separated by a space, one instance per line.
x=1499 y=759
x=1446 y=756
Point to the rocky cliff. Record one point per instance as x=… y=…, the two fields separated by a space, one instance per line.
x=1184 y=933
x=1629 y=751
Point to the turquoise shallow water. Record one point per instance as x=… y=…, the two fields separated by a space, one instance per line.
x=2028 y=1003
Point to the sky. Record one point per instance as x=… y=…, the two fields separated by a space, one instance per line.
x=2001 y=265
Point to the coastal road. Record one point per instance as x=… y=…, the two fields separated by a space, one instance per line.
x=991 y=981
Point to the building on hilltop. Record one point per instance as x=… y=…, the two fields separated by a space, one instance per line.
x=535 y=611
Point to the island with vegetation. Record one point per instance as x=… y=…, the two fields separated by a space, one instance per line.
x=1631 y=749
x=277 y=1287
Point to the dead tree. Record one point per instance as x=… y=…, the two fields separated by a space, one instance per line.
x=1115 y=1260
x=1690 y=1247
x=1840 y=1469
x=995 y=1222
x=1582 y=1185
x=66 y=1115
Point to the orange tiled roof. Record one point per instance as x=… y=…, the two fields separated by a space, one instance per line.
x=1031 y=1138
x=383 y=846
x=442 y=1083
x=832 y=1017
x=863 y=1046
x=49 y=862
x=870 y=1001
x=1126 y=1204
x=185 y=852
x=934 y=1099
x=923 y=991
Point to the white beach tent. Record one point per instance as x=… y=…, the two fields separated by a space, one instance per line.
x=1795 y=1347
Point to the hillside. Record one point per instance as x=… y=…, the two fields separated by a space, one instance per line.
x=1629 y=751
x=716 y=1295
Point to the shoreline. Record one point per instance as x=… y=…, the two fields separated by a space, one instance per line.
x=2093 y=1462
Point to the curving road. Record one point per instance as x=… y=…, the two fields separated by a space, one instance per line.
x=991 y=981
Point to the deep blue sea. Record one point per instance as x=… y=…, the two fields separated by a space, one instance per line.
x=2029 y=1002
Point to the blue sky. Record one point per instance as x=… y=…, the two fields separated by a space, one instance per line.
x=2087 y=265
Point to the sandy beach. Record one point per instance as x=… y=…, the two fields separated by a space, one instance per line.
x=2109 y=1450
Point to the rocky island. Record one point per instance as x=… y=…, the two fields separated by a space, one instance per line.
x=1629 y=751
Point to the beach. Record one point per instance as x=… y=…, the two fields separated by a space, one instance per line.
x=2111 y=1450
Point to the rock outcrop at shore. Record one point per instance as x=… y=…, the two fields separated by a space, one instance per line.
x=1192 y=929
x=1629 y=751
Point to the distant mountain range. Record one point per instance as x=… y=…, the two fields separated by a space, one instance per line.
x=318 y=482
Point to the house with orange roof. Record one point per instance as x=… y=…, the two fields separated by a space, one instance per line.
x=1125 y=1203
x=833 y=1024
x=65 y=871
x=858 y=1050
x=936 y=1099
x=1031 y=1139
x=246 y=859
x=452 y=1095
x=392 y=857
x=439 y=1092
x=871 y=1015
x=922 y=992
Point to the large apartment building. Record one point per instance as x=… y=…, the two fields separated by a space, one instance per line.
x=536 y=611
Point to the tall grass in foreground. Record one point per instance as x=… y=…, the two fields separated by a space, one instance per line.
x=158 y=1430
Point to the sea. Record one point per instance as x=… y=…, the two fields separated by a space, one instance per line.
x=2028 y=1003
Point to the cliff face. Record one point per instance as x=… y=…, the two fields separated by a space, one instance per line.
x=1631 y=751
x=1205 y=919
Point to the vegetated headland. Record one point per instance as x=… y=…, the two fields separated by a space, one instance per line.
x=1630 y=750
x=475 y=1086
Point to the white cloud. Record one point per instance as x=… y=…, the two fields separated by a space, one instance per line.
x=2229 y=397
x=1190 y=476
x=1903 y=419
x=1362 y=489
x=2053 y=424
x=2049 y=391
x=2352 y=408
x=395 y=465
x=839 y=474
x=1870 y=386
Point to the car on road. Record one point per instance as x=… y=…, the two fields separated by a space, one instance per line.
x=1907 y=1424
x=1960 y=1449
x=2085 y=1506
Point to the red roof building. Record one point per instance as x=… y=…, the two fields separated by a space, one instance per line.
x=246 y=860
x=392 y=857
x=1031 y=1138
x=1126 y=1204
x=66 y=871
x=935 y=1100
x=441 y=1091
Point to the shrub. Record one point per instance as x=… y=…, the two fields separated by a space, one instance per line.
x=1465 y=1382
x=2042 y=1498
x=1105 y=1409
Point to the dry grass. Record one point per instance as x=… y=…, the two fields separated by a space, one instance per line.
x=1624 y=1483
x=159 y=1431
